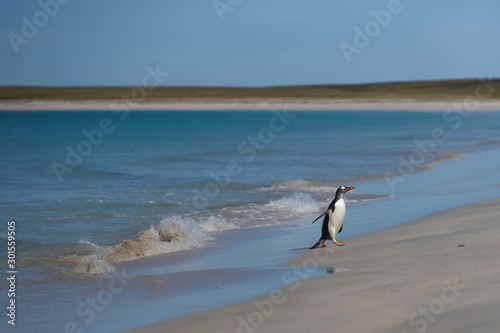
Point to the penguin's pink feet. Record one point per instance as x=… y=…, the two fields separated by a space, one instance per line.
x=337 y=243
x=323 y=244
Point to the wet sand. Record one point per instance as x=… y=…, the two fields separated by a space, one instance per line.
x=438 y=274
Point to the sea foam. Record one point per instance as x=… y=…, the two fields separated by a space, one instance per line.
x=173 y=233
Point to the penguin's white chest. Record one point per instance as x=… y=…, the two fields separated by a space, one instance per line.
x=336 y=218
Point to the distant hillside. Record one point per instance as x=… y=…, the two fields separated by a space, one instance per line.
x=428 y=90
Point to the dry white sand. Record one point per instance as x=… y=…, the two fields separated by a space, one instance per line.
x=440 y=274
x=288 y=104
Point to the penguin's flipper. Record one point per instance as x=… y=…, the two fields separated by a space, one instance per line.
x=341 y=227
x=324 y=213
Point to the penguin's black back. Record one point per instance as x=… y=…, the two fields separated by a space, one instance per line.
x=325 y=234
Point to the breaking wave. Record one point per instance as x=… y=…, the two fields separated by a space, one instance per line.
x=174 y=233
x=297 y=203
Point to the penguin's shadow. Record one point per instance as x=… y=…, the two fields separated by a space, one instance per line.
x=301 y=249
x=304 y=248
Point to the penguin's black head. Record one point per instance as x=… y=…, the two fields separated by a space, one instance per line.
x=344 y=189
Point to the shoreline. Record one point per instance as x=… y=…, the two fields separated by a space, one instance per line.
x=439 y=272
x=249 y=104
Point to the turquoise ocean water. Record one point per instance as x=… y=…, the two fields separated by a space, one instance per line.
x=91 y=191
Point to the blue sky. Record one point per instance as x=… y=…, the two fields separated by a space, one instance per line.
x=258 y=42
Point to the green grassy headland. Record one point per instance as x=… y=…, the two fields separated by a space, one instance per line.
x=417 y=90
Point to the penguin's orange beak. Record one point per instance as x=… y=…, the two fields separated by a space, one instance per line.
x=324 y=213
x=350 y=188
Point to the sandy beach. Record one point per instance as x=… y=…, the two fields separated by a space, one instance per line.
x=438 y=274
x=254 y=104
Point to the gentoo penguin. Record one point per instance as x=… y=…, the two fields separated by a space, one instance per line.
x=334 y=218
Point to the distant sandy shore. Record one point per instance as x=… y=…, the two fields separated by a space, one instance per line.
x=439 y=274
x=288 y=104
